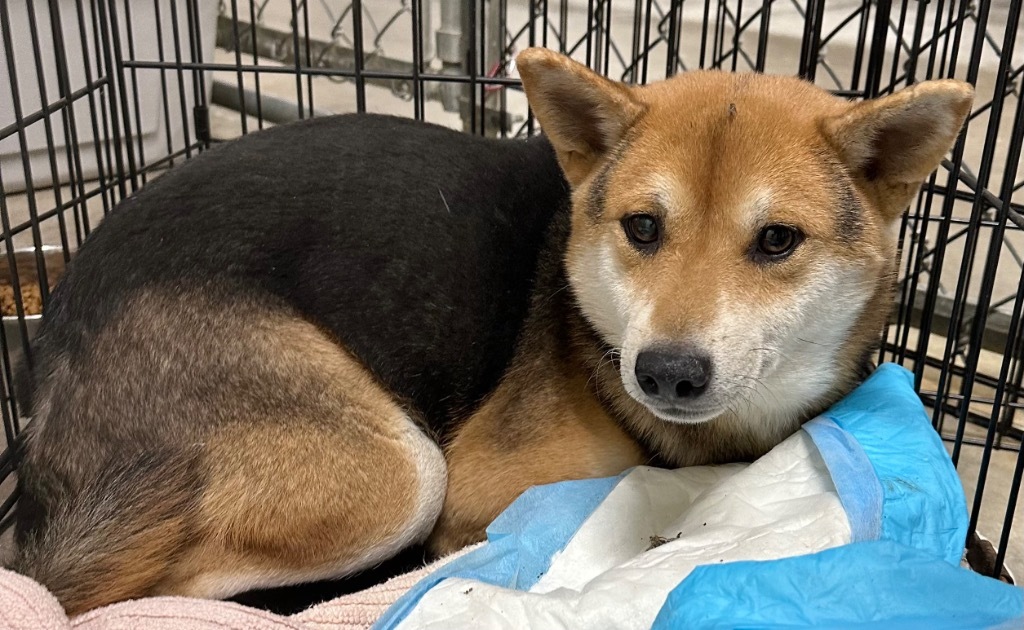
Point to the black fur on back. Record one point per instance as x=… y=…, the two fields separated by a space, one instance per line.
x=414 y=245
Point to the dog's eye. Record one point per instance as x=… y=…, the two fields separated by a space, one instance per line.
x=776 y=242
x=642 y=231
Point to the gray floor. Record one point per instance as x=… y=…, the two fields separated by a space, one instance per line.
x=395 y=42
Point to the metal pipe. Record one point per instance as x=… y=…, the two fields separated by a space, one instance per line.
x=426 y=28
x=269 y=43
x=451 y=50
x=273 y=109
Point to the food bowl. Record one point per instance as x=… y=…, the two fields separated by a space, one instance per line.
x=28 y=272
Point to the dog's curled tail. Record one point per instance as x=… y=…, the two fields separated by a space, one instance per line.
x=108 y=541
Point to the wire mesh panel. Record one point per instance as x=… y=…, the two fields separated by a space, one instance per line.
x=98 y=96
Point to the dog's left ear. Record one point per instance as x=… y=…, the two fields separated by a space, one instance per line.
x=583 y=114
x=892 y=144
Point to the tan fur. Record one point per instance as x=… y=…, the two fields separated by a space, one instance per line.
x=892 y=144
x=582 y=140
x=717 y=156
x=720 y=161
x=297 y=505
x=280 y=459
x=304 y=469
x=542 y=426
x=307 y=496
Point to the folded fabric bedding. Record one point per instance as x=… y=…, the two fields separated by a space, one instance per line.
x=856 y=521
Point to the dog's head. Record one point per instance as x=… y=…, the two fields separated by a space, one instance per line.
x=734 y=235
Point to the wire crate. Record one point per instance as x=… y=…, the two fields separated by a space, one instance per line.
x=99 y=96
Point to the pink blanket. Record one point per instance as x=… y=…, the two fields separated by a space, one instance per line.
x=27 y=605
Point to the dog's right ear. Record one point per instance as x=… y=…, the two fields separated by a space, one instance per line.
x=891 y=144
x=583 y=114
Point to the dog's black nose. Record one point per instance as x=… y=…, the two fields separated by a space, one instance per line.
x=673 y=375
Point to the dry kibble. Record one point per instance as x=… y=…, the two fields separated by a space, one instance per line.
x=31 y=299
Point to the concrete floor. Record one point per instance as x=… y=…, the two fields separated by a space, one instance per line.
x=338 y=97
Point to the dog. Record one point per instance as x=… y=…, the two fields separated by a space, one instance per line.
x=307 y=349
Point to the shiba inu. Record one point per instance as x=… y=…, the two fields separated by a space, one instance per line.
x=307 y=349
